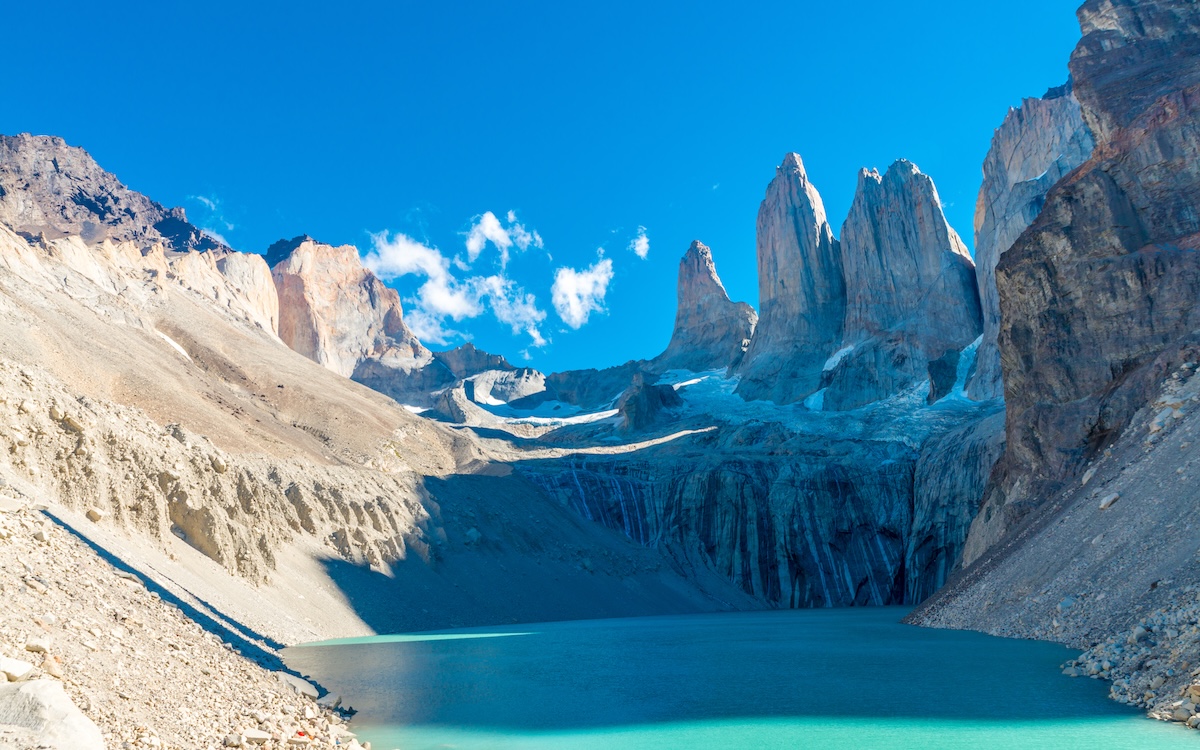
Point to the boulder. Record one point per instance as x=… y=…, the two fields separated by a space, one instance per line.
x=40 y=714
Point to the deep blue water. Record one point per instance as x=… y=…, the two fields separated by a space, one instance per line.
x=850 y=678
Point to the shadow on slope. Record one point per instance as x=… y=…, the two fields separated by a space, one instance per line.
x=503 y=552
x=249 y=642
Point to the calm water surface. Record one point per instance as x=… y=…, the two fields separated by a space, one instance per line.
x=851 y=678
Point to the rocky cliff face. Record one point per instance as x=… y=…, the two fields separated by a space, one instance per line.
x=711 y=331
x=1108 y=275
x=48 y=187
x=1035 y=147
x=910 y=286
x=802 y=295
x=338 y=314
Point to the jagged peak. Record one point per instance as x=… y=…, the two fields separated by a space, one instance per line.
x=697 y=267
x=1058 y=92
x=793 y=162
x=59 y=190
x=698 y=248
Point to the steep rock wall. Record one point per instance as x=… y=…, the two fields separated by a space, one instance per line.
x=801 y=522
x=801 y=291
x=1107 y=276
x=1036 y=146
x=910 y=286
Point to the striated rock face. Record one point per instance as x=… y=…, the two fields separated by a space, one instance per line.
x=802 y=296
x=910 y=286
x=48 y=187
x=801 y=519
x=950 y=477
x=711 y=331
x=1108 y=275
x=338 y=314
x=1036 y=146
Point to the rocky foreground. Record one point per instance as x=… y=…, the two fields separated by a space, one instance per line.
x=92 y=659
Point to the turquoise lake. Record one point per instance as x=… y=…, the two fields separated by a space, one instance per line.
x=849 y=678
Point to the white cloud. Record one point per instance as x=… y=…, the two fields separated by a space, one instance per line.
x=487 y=228
x=640 y=244
x=577 y=294
x=443 y=296
x=401 y=255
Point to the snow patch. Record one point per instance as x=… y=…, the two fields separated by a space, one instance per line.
x=174 y=345
x=837 y=357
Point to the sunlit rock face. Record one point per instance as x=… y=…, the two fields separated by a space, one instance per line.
x=711 y=331
x=1107 y=277
x=338 y=314
x=51 y=190
x=250 y=274
x=1036 y=146
x=802 y=294
x=910 y=288
x=48 y=187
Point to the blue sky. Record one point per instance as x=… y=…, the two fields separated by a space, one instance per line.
x=398 y=126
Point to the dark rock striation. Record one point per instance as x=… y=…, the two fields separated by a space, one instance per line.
x=835 y=513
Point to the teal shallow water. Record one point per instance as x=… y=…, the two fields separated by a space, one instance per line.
x=852 y=678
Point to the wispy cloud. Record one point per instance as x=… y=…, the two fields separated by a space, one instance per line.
x=487 y=228
x=640 y=244
x=579 y=293
x=444 y=297
x=211 y=218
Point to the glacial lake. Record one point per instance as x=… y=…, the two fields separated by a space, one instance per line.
x=849 y=678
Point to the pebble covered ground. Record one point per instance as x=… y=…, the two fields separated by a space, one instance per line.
x=137 y=666
x=1154 y=665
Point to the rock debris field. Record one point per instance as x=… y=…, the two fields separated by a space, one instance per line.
x=142 y=673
